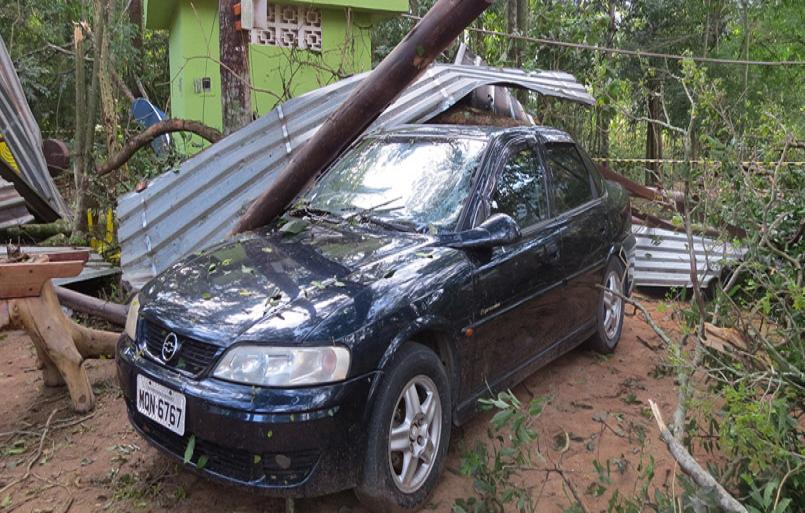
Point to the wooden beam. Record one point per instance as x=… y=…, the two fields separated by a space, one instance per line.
x=432 y=35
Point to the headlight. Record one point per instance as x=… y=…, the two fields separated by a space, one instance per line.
x=131 y=318
x=284 y=366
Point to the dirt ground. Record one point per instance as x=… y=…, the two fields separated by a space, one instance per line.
x=98 y=463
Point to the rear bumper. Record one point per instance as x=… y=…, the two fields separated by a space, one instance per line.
x=293 y=443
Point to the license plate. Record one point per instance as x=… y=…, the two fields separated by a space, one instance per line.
x=164 y=406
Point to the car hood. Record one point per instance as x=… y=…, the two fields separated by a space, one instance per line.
x=295 y=280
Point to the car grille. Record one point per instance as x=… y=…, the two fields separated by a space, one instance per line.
x=272 y=469
x=194 y=357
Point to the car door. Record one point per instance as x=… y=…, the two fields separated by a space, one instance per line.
x=516 y=284
x=577 y=202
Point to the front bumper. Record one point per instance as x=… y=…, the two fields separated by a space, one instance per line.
x=301 y=442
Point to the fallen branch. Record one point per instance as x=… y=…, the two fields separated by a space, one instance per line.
x=149 y=134
x=36 y=457
x=646 y=315
x=692 y=468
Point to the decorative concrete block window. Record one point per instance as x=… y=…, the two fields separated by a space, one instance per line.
x=289 y=26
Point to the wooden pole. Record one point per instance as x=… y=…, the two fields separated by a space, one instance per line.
x=437 y=29
x=106 y=310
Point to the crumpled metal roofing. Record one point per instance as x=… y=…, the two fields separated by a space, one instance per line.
x=195 y=206
x=21 y=132
x=12 y=206
x=662 y=258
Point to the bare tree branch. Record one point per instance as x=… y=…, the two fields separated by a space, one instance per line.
x=692 y=468
x=151 y=133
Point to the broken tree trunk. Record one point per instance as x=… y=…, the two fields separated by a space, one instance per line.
x=440 y=26
x=28 y=301
x=236 y=93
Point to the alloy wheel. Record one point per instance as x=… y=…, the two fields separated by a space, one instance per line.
x=415 y=433
x=613 y=304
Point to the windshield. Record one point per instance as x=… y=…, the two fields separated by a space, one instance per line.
x=414 y=181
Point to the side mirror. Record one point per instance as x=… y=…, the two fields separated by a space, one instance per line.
x=498 y=230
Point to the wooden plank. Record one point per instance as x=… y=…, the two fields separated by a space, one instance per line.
x=64 y=256
x=25 y=279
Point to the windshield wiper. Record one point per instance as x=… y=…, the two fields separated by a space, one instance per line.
x=362 y=212
x=365 y=214
x=315 y=213
x=400 y=226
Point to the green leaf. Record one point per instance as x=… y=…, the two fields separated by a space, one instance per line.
x=269 y=434
x=267 y=250
x=501 y=418
x=6 y=501
x=294 y=227
x=257 y=459
x=188 y=451
x=389 y=273
x=244 y=293
x=423 y=254
x=202 y=461
x=677 y=220
x=227 y=261
x=205 y=295
x=317 y=284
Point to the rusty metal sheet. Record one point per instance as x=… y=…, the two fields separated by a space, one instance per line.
x=28 y=171
x=196 y=205
x=12 y=206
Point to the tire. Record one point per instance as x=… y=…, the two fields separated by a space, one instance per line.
x=380 y=489
x=609 y=323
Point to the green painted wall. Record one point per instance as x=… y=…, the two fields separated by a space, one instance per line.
x=277 y=74
x=194 y=55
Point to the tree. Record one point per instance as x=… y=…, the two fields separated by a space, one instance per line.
x=236 y=98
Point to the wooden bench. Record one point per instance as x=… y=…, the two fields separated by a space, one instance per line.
x=28 y=301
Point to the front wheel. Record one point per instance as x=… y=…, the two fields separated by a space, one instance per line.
x=609 y=323
x=408 y=433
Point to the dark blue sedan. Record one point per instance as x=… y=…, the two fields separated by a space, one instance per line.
x=337 y=347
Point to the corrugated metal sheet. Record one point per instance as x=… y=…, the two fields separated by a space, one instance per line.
x=662 y=258
x=197 y=205
x=12 y=206
x=96 y=266
x=21 y=132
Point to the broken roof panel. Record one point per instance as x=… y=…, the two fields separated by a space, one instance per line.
x=662 y=258
x=195 y=206
x=12 y=206
x=21 y=133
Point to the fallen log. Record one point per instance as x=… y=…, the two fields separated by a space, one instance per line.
x=440 y=26
x=37 y=231
x=107 y=310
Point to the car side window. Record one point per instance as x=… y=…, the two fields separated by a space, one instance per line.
x=571 y=180
x=520 y=189
x=598 y=180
